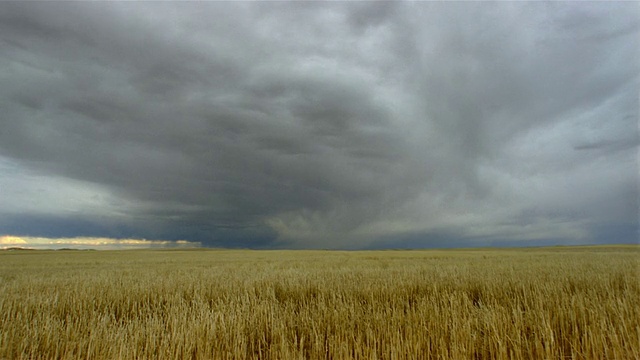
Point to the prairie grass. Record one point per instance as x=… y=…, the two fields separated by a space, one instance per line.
x=546 y=303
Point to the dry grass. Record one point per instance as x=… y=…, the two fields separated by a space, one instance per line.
x=574 y=303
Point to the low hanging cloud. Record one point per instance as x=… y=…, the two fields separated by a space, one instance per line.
x=86 y=243
x=338 y=125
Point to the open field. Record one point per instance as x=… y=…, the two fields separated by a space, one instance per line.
x=553 y=303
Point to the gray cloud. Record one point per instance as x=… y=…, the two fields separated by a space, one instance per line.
x=321 y=124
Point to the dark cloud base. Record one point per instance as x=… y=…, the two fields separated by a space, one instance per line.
x=54 y=227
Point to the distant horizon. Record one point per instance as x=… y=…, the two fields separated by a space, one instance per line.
x=88 y=243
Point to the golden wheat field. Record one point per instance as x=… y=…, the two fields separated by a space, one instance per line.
x=544 y=303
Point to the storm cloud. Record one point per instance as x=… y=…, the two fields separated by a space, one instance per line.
x=329 y=125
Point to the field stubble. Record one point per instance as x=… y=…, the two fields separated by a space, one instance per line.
x=553 y=303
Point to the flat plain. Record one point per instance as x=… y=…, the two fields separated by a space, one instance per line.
x=534 y=303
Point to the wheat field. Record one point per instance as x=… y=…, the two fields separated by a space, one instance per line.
x=544 y=303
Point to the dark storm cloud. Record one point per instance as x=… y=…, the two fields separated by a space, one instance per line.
x=330 y=125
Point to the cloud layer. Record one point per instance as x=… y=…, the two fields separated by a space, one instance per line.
x=339 y=125
x=84 y=243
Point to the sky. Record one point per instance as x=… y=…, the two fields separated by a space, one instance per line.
x=341 y=125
